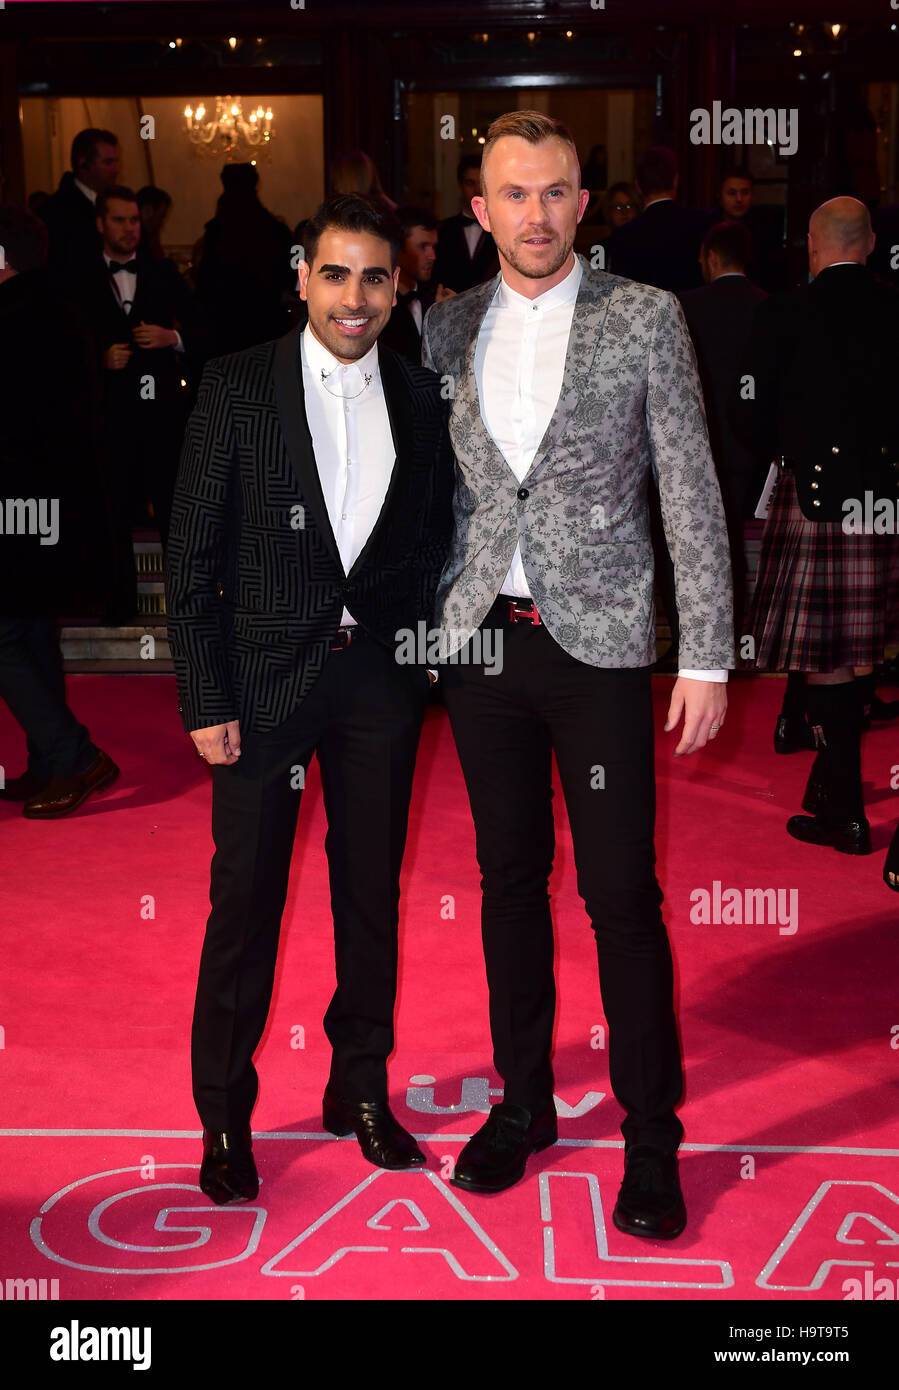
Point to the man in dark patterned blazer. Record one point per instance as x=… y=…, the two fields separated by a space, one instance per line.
x=310 y=525
x=571 y=386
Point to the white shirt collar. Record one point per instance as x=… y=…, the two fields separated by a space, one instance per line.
x=565 y=292
x=319 y=360
x=88 y=192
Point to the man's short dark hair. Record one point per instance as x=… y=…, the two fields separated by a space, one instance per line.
x=351 y=212
x=739 y=171
x=410 y=216
x=656 y=170
x=84 y=146
x=24 y=238
x=468 y=161
x=152 y=197
x=731 y=243
x=118 y=190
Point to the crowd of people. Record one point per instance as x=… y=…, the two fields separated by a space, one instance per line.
x=86 y=271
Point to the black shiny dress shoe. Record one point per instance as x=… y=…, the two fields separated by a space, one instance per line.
x=228 y=1172
x=382 y=1139
x=495 y=1157
x=792 y=735
x=849 y=837
x=650 y=1202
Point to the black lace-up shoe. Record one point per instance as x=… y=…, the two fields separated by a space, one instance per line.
x=650 y=1202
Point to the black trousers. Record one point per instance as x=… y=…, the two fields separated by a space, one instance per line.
x=362 y=719
x=33 y=684
x=599 y=723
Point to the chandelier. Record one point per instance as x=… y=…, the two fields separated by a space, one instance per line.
x=227 y=131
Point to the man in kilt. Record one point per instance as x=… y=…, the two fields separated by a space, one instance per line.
x=825 y=364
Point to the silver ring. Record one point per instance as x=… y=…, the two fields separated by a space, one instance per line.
x=202 y=755
x=714 y=729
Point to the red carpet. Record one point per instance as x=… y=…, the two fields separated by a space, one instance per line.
x=788 y=1024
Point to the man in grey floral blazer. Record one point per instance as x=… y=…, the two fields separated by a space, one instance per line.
x=568 y=386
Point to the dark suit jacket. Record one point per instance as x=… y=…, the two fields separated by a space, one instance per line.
x=161 y=297
x=256 y=587
x=454 y=268
x=719 y=317
x=767 y=266
x=825 y=360
x=72 y=223
x=659 y=247
x=49 y=407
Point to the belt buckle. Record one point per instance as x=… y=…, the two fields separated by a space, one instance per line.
x=519 y=614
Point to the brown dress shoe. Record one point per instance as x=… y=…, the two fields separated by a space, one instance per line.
x=63 y=795
x=23 y=788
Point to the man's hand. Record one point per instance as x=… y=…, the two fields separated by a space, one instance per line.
x=150 y=335
x=443 y=294
x=116 y=357
x=219 y=743
x=703 y=705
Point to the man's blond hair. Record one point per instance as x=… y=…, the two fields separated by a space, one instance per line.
x=532 y=126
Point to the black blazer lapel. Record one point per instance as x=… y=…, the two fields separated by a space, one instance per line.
x=295 y=429
x=399 y=412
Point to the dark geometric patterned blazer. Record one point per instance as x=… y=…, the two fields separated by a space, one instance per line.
x=255 y=585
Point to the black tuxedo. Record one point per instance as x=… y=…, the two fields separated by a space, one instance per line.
x=659 y=247
x=825 y=359
x=142 y=425
x=256 y=590
x=454 y=267
x=402 y=333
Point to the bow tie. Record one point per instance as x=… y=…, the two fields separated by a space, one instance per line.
x=412 y=294
x=116 y=266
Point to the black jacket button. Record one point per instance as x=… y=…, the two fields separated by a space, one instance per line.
x=523 y=494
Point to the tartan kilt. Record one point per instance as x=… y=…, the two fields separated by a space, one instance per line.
x=822 y=598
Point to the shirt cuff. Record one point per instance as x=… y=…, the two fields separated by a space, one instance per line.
x=704 y=675
x=179 y=342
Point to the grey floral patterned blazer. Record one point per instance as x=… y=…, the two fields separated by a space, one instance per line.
x=630 y=402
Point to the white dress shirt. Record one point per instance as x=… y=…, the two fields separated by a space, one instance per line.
x=519 y=366
x=346 y=411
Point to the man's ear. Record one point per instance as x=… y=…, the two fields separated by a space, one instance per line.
x=583 y=199
x=396 y=281
x=479 y=208
x=304 y=271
